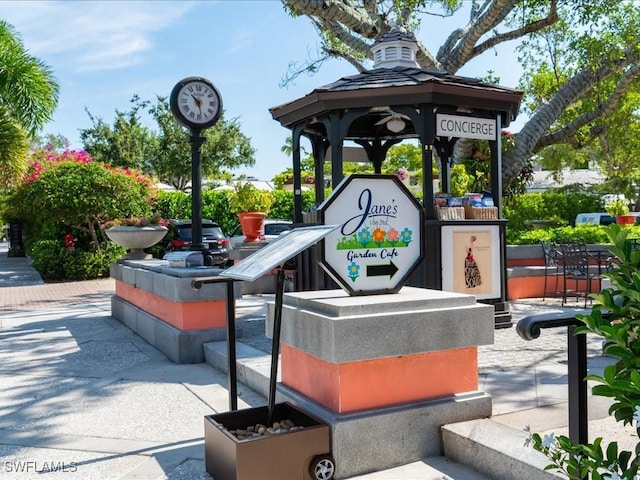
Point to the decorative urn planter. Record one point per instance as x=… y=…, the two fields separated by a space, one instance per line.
x=136 y=239
x=252 y=224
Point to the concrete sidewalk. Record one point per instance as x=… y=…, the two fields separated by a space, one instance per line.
x=82 y=396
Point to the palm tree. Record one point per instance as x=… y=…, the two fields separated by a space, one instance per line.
x=28 y=98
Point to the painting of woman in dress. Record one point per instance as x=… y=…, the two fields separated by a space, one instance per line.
x=472 y=277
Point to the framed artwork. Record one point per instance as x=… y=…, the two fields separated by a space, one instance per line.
x=471 y=260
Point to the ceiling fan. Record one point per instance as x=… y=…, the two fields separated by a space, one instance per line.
x=395 y=122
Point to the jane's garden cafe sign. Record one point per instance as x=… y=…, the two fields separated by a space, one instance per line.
x=379 y=240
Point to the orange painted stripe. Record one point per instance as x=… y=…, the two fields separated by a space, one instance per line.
x=354 y=386
x=182 y=315
x=533 y=287
x=525 y=262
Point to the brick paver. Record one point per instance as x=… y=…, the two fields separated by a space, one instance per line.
x=55 y=295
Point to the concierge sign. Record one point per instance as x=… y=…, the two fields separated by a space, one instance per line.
x=379 y=240
x=465 y=127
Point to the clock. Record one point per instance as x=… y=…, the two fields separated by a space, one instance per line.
x=196 y=103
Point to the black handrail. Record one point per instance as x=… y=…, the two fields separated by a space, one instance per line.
x=529 y=329
x=232 y=377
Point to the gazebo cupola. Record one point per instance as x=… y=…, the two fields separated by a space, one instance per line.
x=396 y=49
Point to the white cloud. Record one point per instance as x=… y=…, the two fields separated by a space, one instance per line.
x=92 y=35
x=242 y=40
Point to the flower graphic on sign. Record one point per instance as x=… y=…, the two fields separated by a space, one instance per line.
x=378 y=236
x=393 y=235
x=364 y=236
x=406 y=236
x=354 y=270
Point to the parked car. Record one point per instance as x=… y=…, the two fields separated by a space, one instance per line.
x=272 y=228
x=215 y=242
x=597 y=218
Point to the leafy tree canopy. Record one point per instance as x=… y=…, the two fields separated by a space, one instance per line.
x=28 y=98
x=165 y=152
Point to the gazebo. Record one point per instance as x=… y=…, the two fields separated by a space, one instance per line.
x=395 y=101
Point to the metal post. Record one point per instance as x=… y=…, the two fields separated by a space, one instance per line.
x=196 y=142
x=577 y=370
x=275 y=345
x=232 y=378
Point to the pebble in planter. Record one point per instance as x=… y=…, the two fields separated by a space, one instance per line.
x=259 y=430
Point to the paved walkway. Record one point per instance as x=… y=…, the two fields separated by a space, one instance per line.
x=81 y=393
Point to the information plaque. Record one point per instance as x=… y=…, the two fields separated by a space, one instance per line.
x=287 y=245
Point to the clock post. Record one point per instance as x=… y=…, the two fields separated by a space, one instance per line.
x=196 y=104
x=196 y=142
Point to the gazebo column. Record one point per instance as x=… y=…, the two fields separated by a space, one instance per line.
x=336 y=140
x=496 y=165
x=444 y=147
x=319 y=147
x=297 y=175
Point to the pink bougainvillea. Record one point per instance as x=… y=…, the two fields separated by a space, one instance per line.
x=47 y=157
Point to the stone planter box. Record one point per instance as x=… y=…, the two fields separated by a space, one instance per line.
x=284 y=456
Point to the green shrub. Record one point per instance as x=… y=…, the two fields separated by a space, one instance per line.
x=173 y=205
x=283 y=206
x=589 y=233
x=45 y=257
x=55 y=262
x=216 y=206
x=548 y=205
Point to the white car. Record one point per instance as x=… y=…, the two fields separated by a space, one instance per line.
x=272 y=228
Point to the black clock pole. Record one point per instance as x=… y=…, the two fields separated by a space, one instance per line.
x=196 y=104
x=196 y=142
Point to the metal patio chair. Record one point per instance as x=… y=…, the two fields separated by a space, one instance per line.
x=552 y=267
x=576 y=270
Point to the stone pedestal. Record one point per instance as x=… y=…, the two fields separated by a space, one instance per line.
x=159 y=303
x=384 y=371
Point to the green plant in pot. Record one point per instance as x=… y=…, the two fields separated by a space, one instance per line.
x=251 y=205
x=619 y=209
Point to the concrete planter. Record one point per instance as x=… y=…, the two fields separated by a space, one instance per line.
x=298 y=455
x=136 y=239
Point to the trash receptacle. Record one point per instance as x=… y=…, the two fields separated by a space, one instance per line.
x=16 y=245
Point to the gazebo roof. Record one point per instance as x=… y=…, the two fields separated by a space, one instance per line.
x=401 y=86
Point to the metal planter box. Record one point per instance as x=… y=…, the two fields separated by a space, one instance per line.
x=184 y=259
x=298 y=455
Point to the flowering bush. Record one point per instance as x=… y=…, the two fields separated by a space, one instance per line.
x=65 y=200
x=137 y=221
x=620 y=330
x=402 y=174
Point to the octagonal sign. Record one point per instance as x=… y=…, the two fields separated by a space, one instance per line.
x=379 y=241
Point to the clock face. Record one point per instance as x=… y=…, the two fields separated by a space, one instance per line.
x=196 y=103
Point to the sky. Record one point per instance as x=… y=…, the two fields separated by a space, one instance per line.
x=102 y=53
